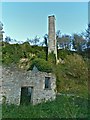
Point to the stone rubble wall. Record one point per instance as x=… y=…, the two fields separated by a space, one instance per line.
x=41 y=94
x=12 y=80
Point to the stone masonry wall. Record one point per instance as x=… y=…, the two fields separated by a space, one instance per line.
x=52 y=35
x=13 y=79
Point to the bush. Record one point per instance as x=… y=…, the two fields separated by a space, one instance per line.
x=76 y=67
x=42 y=65
x=11 y=53
x=72 y=75
x=63 y=53
x=41 y=54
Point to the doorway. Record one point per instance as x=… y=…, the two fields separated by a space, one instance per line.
x=26 y=95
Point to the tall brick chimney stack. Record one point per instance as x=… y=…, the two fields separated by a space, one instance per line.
x=52 y=47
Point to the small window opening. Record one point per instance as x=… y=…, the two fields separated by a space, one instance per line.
x=47 y=83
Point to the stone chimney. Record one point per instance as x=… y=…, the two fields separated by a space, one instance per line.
x=52 y=43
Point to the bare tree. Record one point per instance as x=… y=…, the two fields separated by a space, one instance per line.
x=1 y=31
x=34 y=41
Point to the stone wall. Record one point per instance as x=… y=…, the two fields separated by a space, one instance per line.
x=13 y=80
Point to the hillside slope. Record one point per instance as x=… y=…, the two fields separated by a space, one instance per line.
x=71 y=71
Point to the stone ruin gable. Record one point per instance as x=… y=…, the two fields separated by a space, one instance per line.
x=13 y=80
x=41 y=94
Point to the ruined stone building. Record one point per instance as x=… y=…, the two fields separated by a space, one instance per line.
x=37 y=86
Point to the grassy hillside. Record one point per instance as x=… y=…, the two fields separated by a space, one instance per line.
x=71 y=71
x=71 y=78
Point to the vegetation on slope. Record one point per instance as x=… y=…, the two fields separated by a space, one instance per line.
x=71 y=71
x=42 y=65
x=71 y=78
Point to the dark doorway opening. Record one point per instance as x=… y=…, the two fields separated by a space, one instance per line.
x=26 y=95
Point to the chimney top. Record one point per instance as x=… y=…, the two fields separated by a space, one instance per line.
x=51 y=16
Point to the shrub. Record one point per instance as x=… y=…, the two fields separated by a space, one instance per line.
x=63 y=53
x=11 y=53
x=42 y=65
x=41 y=54
x=72 y=75
x=76 y=67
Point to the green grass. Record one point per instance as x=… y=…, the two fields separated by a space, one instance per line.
x=62 y=107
